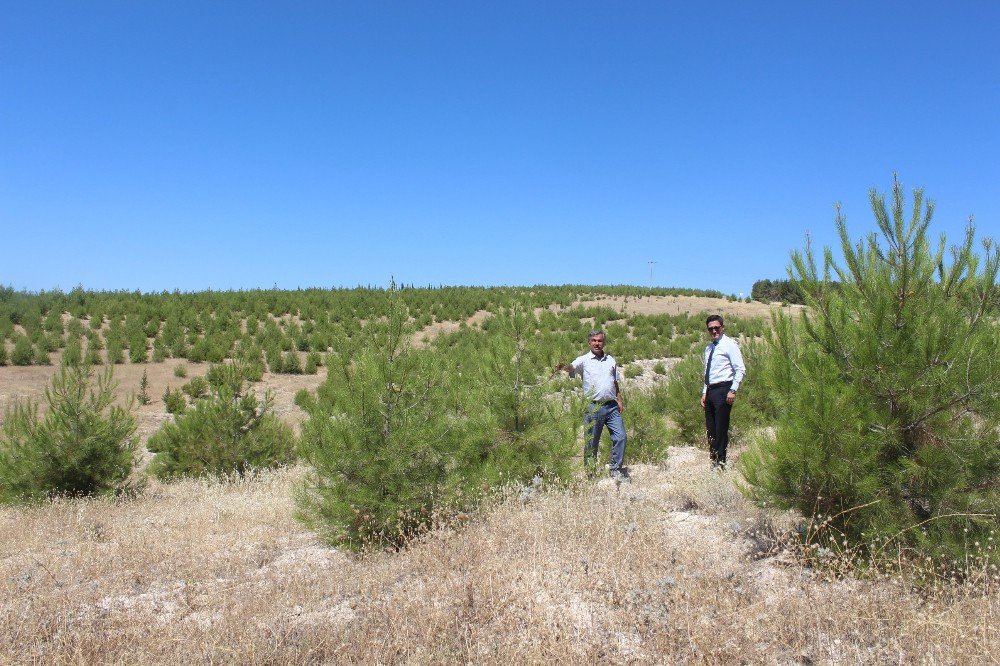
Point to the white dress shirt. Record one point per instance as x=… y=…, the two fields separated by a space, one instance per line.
x=727 y=363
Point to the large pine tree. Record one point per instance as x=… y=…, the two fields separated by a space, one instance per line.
x=378 y=439
x=889 y=388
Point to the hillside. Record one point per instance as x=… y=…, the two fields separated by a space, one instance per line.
x=675 y=567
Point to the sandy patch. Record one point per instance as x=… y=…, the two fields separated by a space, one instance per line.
x=673 y=305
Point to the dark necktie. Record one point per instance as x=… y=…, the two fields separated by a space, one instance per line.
x=708 y=366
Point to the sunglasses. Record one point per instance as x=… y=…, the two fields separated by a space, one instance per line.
x=714 y=328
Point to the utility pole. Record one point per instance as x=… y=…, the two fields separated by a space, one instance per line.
x=651 y=275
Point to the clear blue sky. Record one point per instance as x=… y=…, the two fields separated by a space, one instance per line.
x=162 y=145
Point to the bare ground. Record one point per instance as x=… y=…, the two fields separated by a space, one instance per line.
x=673 y=305
x=24 y=382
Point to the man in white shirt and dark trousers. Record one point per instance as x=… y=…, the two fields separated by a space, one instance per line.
x=724 y=371
x=605 y=406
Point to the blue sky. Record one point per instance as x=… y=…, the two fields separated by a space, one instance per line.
x=170 y=145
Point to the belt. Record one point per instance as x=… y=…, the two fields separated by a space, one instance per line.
x=718 y=384
x=605 y=402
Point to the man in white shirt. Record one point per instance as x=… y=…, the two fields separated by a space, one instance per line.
x=724 y=371
x=605 y=406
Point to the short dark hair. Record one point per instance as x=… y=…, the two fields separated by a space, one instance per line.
x=594 y=332
x=712 y=318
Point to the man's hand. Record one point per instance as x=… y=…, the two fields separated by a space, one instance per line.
x=731 y=397
x=702 y=399
x=621 y=405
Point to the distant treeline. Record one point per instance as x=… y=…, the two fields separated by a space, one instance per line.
x=122 y=326
x=786 y=291
x=452 y=303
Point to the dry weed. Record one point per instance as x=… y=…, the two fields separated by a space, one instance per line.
x=663 y=570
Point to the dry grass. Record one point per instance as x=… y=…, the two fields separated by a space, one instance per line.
x=661 y=571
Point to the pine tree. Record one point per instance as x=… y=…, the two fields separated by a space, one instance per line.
x=41 y=356
x=83 y=445
x=23 y=352
x=116 y=353
x=378 y=440
x=143 y=395
x=232 y=431
x=73 y=354
x=160 y=350
x=174 y=401
x=137 y=351
x=291 y=364
x=521 y=433
x=889 y=388
x=313 y=361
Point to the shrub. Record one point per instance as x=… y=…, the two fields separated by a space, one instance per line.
x=230 y=432
x=84 y=445
x=41 y=356
x=3 y=352
x=137 y=352
x=180 y=371
x=93 y=357
x=116 y=353
x=173 y=401
x=633 y=370
x=890 y=390
x=648 y=436
x=197 y=387
x=143 y=395
x=73 y=354
x=305 y=399
x=23 y=352
x=291 y=364
x=313 y=361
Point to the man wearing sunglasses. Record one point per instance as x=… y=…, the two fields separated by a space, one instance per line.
x=724 y=371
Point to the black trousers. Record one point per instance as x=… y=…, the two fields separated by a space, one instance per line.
x=717 y=420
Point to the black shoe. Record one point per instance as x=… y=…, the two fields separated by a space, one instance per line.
x=620 y=476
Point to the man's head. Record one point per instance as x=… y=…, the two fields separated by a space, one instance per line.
x=715 y=327
x=596 y=341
